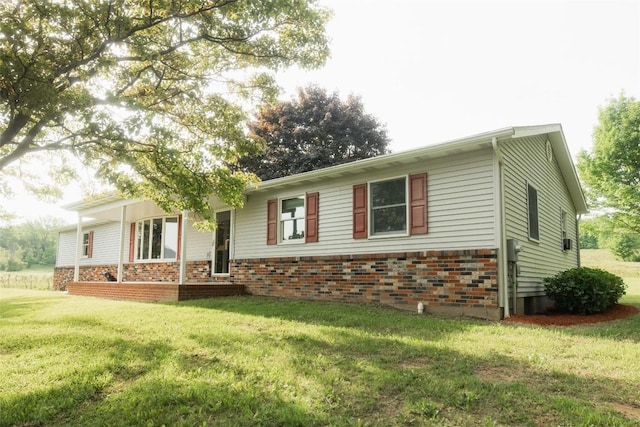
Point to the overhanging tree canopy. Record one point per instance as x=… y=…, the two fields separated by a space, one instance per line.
x=151 y=92
x=611 y=171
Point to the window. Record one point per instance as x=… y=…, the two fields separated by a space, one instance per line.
x=393 y=207
x=532 y=206
x=157 y=238
x=388 y=207
x=293 y=219
x=87 y=244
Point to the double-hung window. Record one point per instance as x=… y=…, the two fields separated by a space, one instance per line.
x=532 y=208
x=157 y=238
x=388 y=207
x=87 y=244
x=292 y=219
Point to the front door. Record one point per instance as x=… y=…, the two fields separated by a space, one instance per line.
x=222 y=243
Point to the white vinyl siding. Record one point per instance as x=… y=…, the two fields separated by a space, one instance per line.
x=199 y=244
x=526 y=161
x=461 y=215
x=106 y=238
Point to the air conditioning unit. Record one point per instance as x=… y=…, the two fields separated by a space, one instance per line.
x=566 y=244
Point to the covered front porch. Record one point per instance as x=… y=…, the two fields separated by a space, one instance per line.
x=133 y=250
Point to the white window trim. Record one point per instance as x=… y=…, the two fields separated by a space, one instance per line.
x=281 y=240
x=393 y=234
x=533 y=239
x=162 y=245
x=85 y=246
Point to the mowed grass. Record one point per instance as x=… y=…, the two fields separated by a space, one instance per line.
x=252 y=361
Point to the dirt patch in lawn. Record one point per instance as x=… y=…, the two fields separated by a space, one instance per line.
x=628 y=411
x=618 y=311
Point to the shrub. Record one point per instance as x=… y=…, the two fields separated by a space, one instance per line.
x=584 y=290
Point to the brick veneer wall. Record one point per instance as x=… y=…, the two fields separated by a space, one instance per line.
x=197 y=272
x=450 y=282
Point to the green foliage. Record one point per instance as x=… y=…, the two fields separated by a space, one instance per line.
x=314 y=131
x=584 y=290
x=588 y=241
x=624 y=247
x=150 y=93
x=611 y=171
x=30 y=243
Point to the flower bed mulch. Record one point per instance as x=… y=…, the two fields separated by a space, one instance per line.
x=618 y=311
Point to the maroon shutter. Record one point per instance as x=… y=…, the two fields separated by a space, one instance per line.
x=90 y=245
x=311 y=218
x=360 y=211
x=272 y=222
x=418 y=202
x=132 y=241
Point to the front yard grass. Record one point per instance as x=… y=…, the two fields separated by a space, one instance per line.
x=76 y=361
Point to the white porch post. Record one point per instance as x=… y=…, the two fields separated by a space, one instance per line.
x=76 y=265
x=123 y=216
x=183 y=247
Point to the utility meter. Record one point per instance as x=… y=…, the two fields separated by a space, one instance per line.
x=513 y=249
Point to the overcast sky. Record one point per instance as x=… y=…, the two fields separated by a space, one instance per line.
x=439 y=70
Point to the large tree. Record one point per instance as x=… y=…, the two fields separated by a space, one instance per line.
x=611 y=171
x=313 y=131
x=153 y=93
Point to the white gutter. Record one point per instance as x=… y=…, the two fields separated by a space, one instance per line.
x=503 y=286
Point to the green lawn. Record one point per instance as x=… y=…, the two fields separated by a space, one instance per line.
x=76 y=361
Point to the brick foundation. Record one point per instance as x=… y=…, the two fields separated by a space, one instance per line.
x=448 y=282
x=461 y=283
x=169 y=272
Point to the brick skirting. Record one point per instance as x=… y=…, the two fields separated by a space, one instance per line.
x=152 y=292
x=448 y=282
x=463 y=282
x=197 y=272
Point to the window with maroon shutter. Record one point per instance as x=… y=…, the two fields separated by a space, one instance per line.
x=360 y=211
x=87 y=244
x=418 y=203
x=311 y=215
x=272 y=222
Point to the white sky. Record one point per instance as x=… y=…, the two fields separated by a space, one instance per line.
x=439 y=70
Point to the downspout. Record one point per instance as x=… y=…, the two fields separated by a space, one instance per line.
x=503 y=288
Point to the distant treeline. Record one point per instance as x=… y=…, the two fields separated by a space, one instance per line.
x=28 y=244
